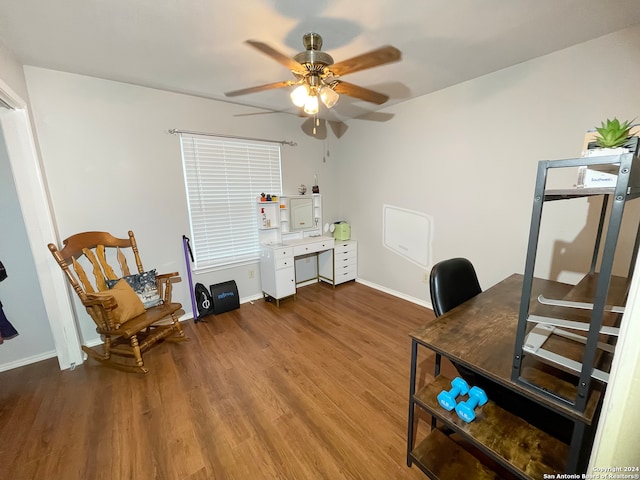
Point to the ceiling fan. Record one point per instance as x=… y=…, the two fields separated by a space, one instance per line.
x=317 y=76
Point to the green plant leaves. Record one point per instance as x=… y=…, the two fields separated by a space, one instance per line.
x=613 y=133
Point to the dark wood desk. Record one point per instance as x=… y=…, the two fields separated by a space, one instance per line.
x=480 y=335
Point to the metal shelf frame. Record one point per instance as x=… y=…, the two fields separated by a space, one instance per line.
x=626 y=188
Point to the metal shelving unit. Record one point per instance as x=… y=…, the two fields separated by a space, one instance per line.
x=627 y=187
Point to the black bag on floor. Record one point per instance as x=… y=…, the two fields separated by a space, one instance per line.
x=3 y=272
x=225 y=296
x=204 y=302
x=6 y=329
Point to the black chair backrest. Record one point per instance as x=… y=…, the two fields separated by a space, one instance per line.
x=452 y=282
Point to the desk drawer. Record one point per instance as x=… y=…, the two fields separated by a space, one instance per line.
x=344 y=275
x=350 y=267
x=345 y=258
x=344 y=247
x=279 y=253
x=312 y=247
x=283 y=262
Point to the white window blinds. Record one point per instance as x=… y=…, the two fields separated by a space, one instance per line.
x=223 y=178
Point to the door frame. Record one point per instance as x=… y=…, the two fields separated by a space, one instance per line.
x=40 y=227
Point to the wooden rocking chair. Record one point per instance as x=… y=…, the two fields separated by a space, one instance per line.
x=127 y=325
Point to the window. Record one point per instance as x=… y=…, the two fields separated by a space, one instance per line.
x=223 y=178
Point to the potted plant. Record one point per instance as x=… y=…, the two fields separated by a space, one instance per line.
x=613 y=137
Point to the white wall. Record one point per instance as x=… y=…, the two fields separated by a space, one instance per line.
x=12 y=73
x=467 y=156
x=111 y=165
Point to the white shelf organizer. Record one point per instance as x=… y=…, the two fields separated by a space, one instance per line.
x=274 y=219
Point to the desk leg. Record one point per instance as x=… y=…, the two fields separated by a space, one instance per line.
x=412 y=391
x=577 y=439
x=436 y=372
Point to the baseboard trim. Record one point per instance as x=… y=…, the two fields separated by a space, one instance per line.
x=395 y=293
x=28 y=360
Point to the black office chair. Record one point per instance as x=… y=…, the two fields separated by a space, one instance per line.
x=453 y=282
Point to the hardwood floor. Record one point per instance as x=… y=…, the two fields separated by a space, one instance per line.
x=315 y=389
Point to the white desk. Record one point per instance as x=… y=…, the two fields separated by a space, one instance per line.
x=277 y=264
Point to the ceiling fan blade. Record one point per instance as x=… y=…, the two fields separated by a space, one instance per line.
x=362 y=93
x=268 y=112
x=288 y=62
x=261 y=88
x=370 y=59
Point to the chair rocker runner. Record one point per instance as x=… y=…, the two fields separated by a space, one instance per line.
x=127 y=325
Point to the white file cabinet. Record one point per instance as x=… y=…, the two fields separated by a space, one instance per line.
x=345 y=261
x=277 y=272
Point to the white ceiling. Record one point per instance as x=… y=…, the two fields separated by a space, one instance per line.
x=197 y=46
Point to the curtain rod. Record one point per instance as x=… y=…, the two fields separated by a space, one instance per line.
x=175 y=131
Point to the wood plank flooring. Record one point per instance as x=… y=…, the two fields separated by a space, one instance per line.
x=315 y=389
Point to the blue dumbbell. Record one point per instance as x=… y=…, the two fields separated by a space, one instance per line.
x=466 y=410
x=447 y=400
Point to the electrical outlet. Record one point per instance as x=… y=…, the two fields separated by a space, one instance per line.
x=252 y=273
x=425 y=278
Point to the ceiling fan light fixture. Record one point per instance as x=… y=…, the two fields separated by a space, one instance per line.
x=329 y=96
x=311 y=106
x=317 y=75
x=299 y=95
